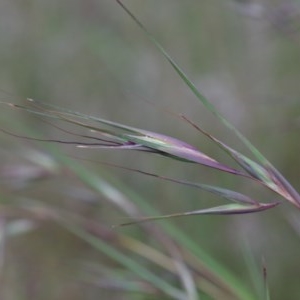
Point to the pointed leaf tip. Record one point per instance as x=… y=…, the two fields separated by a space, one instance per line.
x=178 y=149
x=228 y=209
x=283 y=187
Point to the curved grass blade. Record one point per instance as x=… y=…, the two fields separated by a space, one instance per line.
x=221 y=192
x=228 y=209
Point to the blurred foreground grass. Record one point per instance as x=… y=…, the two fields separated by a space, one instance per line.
x=90 y=57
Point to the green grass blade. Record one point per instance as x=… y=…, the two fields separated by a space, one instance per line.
x=192 y=86
x=257 y=154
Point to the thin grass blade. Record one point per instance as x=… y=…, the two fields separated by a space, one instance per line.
x=228 y=209
x=218 y=191
x=192 y=86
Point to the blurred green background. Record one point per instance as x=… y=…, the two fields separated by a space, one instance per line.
x=89 y=56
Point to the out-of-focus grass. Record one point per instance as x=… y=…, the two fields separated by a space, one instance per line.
x=88 y=56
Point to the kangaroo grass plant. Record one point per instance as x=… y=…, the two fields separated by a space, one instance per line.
x=195 y=274
x=119 y=136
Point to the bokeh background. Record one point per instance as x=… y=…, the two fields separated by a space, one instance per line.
x=89 y=56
